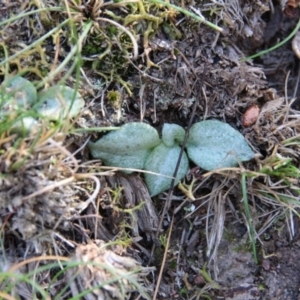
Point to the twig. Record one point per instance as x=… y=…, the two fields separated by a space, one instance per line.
x=170 y=193
x=168 y=200
x=133 y=40
x=164 y=260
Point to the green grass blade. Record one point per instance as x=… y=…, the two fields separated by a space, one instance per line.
x=188 y=13
x=248 y=217
x=277 y=45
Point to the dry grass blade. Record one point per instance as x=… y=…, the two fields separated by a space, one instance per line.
x=216 y=207
x=102 y=274
x=54 y=199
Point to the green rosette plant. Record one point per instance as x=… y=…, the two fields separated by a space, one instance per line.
x=211 y=144
x=21 y=106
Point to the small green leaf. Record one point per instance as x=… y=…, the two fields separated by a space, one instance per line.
x=213 y=144
x=59 y=102
x=172 y=134
x=25 y=125
x=163 y=160
x=18 y=92
x=127 y=147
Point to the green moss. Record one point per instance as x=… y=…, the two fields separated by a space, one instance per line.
x=229 y=236
x=245 y=247
x=107 y=44
x=114 y=97
x=90 y=49
x=112 y=31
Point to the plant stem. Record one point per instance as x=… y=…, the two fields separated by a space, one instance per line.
x=30 y=13
x=248 y=217
x=134 y=43
x=188 y=13
x=76 y=48
x=35 y=43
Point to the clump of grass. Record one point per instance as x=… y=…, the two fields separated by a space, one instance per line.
x=94 y=269
x=44 y=191
x=267 y=188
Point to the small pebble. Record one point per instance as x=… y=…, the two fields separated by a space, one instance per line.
x=199 y=280
x=266 y=264
x=250 y=116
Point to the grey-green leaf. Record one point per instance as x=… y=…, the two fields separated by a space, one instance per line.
x=172 y=134
x=163 y=160
x=18 y=92
x=25 y=125
x=59 y=102
x=134 y=161
x=213 y=144
x=127 y=147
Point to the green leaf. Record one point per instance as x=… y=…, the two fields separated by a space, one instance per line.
x=17 y=91
x=213 y=144
x=59 y=102
x=163 y=160
x=172 y=134
x=17 y=94
x=127 y=147
x=25 y=125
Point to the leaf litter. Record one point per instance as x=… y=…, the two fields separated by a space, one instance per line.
x=54 y=198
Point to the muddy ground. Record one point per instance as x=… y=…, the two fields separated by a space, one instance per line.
x=210 y=255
